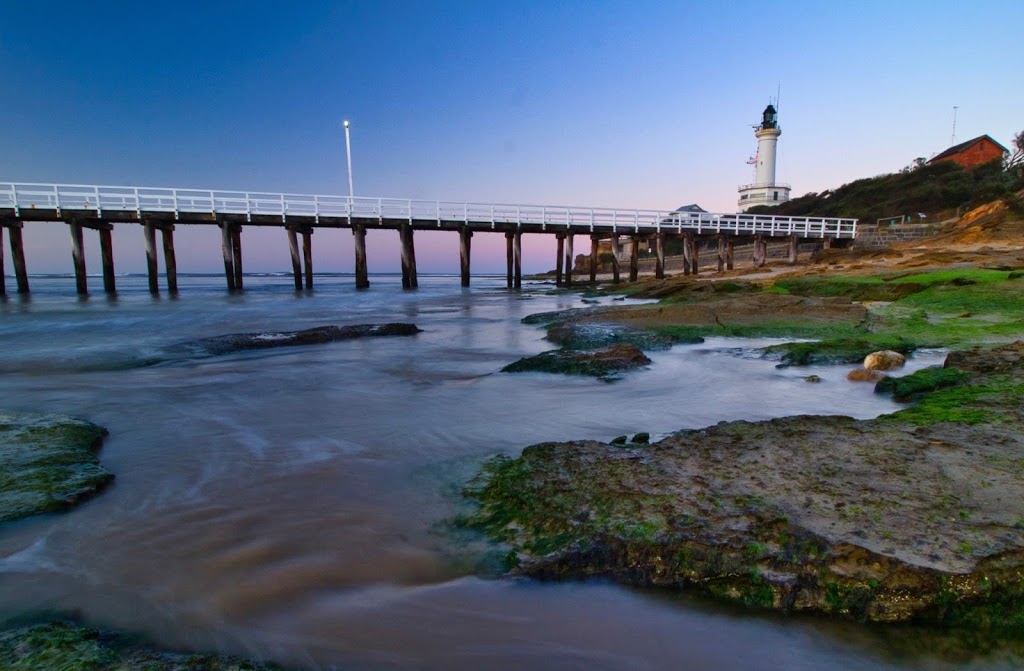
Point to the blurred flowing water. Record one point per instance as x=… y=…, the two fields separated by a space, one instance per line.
x=290 y=503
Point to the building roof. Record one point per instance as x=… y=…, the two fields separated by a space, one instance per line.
x=692 y=207
x=956 y=149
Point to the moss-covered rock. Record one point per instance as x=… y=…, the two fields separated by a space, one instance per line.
x=47 y=463
x=916 y=385
x=606 y=363
x=61 y=645
x=236 y=342
x=841 y=350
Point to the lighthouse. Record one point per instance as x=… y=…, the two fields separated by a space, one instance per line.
x=765 y=190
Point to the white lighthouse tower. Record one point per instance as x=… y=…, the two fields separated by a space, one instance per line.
x=765 y=190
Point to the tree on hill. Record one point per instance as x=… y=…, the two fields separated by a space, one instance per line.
x=1017 y=157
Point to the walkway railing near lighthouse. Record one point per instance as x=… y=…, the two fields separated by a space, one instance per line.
x=124 y=203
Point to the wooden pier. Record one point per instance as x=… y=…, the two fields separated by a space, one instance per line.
x=100 y=208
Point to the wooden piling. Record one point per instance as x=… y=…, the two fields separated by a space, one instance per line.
x=149 y=233
x=760 y=251
x=362 y=274
x=293 y=250
x=413 y=275
x=634 y=260
x=517 y=255
x=236 y=254
x=593 y=257
x=170 y=259
x=569 y=259
x=78 y=258
x=695 y=255
x=405 y=236
x=721 y=253
x=659 y=256
x=616 y=250
x=107 y=255
x=465 y=249
x=18 y=257
x=687 y=252
x=229 y=264
x=794 y=249
x=508 y=259
x=559 y=257
x=729 y=254
x=827 y=243
x=3 y=280
x=307 y=255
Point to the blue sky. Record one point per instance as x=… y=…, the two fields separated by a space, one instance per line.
x=626 y=104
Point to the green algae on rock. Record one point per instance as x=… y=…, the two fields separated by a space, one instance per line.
x=47 y=463
x=905 y=517
x=60 y=645
x=605 y=363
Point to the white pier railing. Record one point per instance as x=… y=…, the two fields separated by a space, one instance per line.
x=182 y=202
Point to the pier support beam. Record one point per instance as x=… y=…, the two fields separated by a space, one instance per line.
x=687 y=252
x=826 y=243
x=18 y=256
x=721 y=253
x=236 y=254
x=409 y=279
x=593 y=257
x=730 y=254
x=3 y=280
x=170 y=259
x=694 y=255
x=559 y=257
x=149 y=233
x=225 y=248
x=307 y=255
x=508 y=259
x=634 y=260
x=616 y=250
x=78 y=258
x=794 y=249
x=760 y=251
x=659 y=256
x=107 y=256
x=293 y=251
x=465 y=251
x=362 y=274
x=569 y=259
x=517 y=257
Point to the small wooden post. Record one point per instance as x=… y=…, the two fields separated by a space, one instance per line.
x=18 y=257
x=293 y=250
x=508 y=259
x=149 y=233
x=3 y=281
x=569 y=259
x=559 y=257
x=695 y=255
x=687 y=252
x=659 y=256
x=465 y=248
x=517 y=254
x=170 y=259
x=616 y=250
x=593 y=257
x=78 y=257
x=362 y=274
x=729 y=254
x=794 y=249
x=225 y=247
x=236 y=253
x=721 y=253
x=634 y=260
x=107 y=254
x=307 y=255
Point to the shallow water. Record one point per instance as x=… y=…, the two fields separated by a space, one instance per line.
x=289 y=503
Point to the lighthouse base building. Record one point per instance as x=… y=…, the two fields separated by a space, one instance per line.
x=765 y=190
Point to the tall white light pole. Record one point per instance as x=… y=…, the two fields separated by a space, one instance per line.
x=348 y=154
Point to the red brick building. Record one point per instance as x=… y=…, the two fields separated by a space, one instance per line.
x=973 y=153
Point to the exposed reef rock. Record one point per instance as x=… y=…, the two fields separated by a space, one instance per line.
x=606 y=363
x=236 y=342
x=47 y=463
x=918 y=515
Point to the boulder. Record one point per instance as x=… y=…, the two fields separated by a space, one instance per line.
x=884 y=360
x=864 y=375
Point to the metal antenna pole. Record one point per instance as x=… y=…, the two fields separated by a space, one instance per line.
x=953 y=139
x=348 y=154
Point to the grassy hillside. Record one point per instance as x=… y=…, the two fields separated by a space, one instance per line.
x=929 y=189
